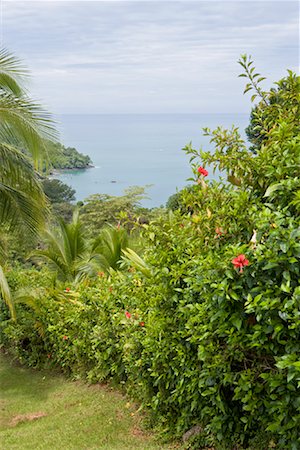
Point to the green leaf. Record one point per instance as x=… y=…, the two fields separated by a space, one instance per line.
x=271 y=189
x=248 y=88
x=237 y=322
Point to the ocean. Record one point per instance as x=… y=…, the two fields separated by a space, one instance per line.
x=137 y=150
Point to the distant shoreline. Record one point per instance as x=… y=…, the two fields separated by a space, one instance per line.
x=69 y=169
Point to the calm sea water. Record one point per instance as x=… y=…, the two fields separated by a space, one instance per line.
x=142 y=149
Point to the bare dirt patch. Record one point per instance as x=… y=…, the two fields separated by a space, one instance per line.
x=20 y=418
x=137 y=432
x=120 y=415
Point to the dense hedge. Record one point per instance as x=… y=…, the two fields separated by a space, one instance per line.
x=210 y=337
x=201 y=343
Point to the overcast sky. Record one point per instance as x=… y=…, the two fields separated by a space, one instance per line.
x=149 y=56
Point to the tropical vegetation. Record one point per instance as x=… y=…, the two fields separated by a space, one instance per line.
x=62 y=157
x=199 y=321
x=24 y=127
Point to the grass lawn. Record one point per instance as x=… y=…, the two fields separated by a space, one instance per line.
x=42 y=410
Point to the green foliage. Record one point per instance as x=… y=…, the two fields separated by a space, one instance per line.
x=62 y=157
x=204 y=329
x=282 y=104
x=24 y=127
x=6 y=294
x=71 y=256
x=65 y=250
x=108 y=247
x=175 y=202
x=57 y=191
x=102 y=209
x=60 y=196
x=63 y=210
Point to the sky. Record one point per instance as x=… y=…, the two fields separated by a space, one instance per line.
x=89 y=57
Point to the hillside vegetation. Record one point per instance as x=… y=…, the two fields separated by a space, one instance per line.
x=62 y=157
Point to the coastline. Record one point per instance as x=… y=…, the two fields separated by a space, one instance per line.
x=54 y=172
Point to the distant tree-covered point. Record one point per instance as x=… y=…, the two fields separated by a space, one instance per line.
x=62 y=157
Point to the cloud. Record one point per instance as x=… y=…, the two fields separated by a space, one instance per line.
x=108 y=56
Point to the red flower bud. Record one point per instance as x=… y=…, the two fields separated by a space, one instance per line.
x=127 y=314
x=202 y=171
x=239 y=262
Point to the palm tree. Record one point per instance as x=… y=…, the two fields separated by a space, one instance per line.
x=72 y=257
x=107 y=248
x=24 y=129
x=66 y=249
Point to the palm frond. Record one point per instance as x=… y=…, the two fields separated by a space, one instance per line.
x=12 y=73
x=72 y=234
x=6 y=294
x=19 y=209
x=22 y=200
x=133 y=259
x=109 y=245
x=54 y=262
x=17 y=170
x=65 y=249
x=2 y=249
x=26 y=124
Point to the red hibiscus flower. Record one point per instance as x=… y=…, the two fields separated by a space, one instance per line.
x=219 y=231
x=202 y=171
x=239 y=262
x=127 y=314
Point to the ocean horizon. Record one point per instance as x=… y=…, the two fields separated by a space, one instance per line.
x=137 y=150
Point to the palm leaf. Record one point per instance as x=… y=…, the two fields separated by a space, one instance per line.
x=109 y=244
x=25 y=125
x=6 y=295
x=12 y=73
x=54 y=262
x=66 y=250
x=133 y=259
x=20 y=210
x=17 y=170
x=22 y=201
